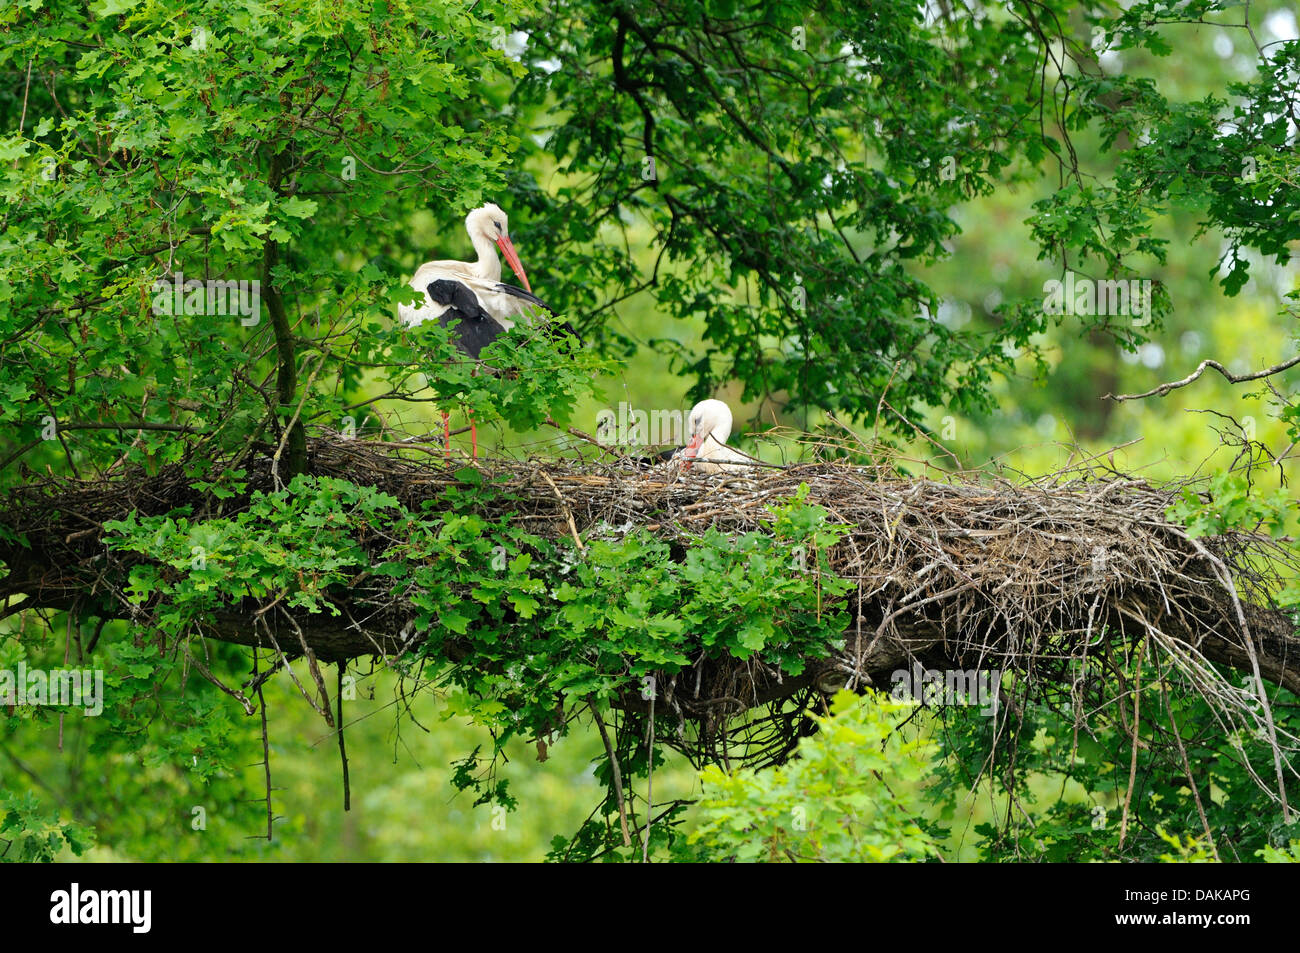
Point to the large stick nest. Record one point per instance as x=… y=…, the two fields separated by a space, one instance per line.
x=965 y=573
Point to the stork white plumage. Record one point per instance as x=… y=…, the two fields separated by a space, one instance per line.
x=710 y=425
x=469 y=297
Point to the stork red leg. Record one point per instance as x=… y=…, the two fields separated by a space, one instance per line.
x=446 y=433
x=473 y=437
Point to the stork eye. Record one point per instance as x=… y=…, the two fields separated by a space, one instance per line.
x=498 y=225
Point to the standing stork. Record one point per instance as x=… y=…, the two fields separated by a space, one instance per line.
x=469 y=297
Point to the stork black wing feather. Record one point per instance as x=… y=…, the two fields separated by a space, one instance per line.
x=658 y=458
x=474 y=328
x=517 y=292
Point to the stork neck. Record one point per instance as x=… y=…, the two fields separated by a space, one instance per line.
x=720 y=431
x=488 y=265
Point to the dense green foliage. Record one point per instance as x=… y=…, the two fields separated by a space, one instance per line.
x=542 y=626
x=851 y=795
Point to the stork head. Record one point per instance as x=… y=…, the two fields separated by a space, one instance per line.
x=491 y=223
x=708 y=418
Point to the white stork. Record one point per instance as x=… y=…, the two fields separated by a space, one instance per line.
x=710 y=426
x=469 y=296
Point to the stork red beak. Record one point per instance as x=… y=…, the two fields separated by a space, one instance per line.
x=692 y=449
x=512 y=259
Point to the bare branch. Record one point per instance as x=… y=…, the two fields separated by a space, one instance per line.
x=1231 y=378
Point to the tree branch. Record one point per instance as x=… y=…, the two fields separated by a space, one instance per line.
x=1231 y=378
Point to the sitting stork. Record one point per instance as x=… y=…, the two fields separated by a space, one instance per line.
x=469 y=297
x=710 y=426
